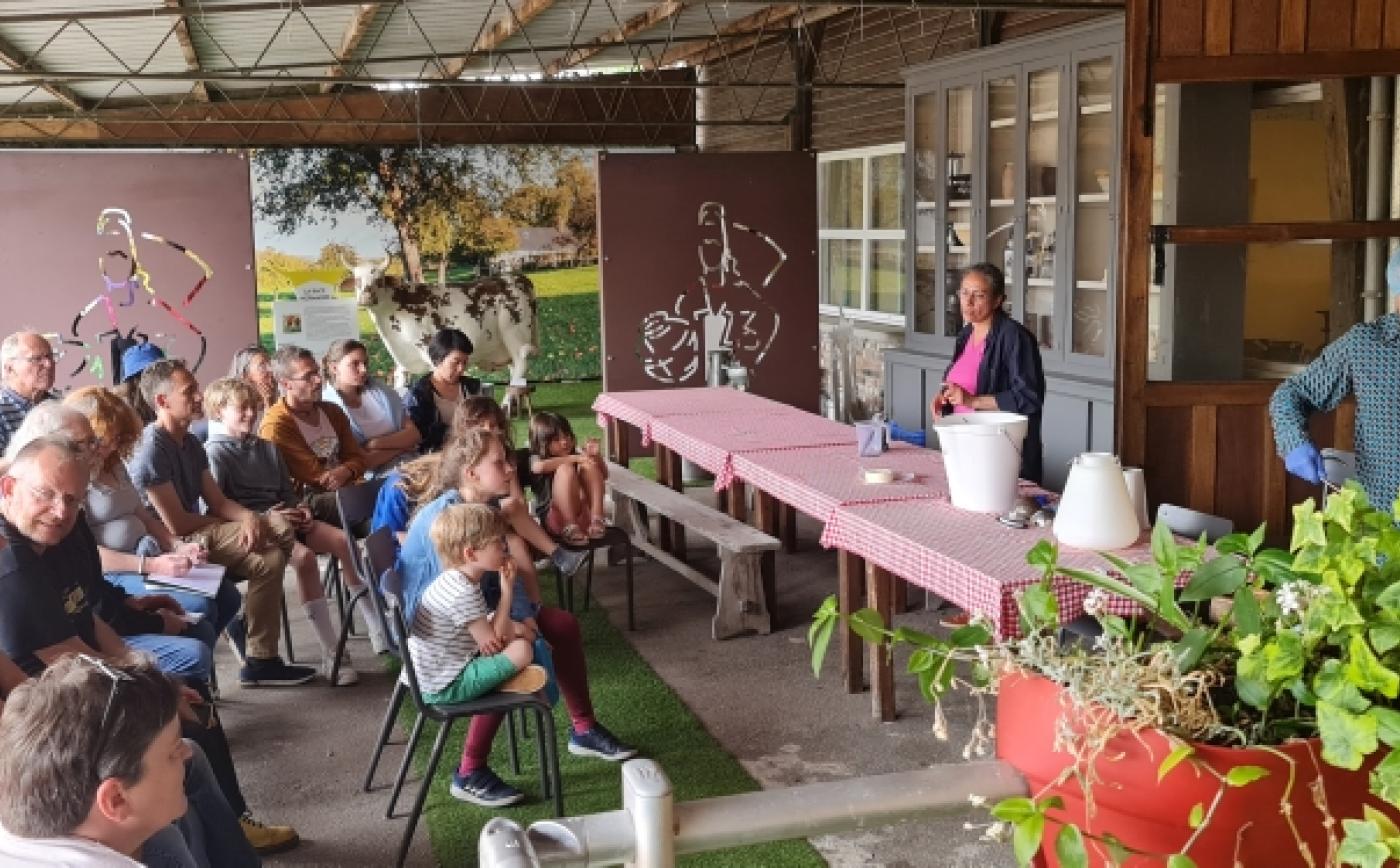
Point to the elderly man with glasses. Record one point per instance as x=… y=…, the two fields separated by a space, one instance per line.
x=26 y=376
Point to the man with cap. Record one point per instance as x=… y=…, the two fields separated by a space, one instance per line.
x=1364 y=362
x=26 y=376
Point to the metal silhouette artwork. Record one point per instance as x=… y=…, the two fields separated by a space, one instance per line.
x=723 y=312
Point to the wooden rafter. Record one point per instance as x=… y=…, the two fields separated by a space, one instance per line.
x=17 y=60
x=182 y=36
x=742 y=34
x=633 y=26
x=514 y=20
x=350 y=40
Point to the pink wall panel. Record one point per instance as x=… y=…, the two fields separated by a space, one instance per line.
x=50 y=204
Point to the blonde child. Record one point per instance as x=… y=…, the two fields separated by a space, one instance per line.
x=475 y=469
x=460 y=649
x=568 y=484
x=250 y=471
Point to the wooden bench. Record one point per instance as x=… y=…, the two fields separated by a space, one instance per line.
x=745 y=592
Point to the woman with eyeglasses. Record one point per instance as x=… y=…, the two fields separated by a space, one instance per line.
x=996 y=362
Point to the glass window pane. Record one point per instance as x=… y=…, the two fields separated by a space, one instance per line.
x=887 y=191
x=887 y=276
x=843 y=194
x=843 y=272
x=1042 y=186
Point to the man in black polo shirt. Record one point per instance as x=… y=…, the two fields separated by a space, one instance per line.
x=47 y=605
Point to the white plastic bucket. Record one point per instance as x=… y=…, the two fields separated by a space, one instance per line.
x=982 y=457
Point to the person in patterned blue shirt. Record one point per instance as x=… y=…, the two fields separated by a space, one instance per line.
x=1364 y=362
x=27 y=361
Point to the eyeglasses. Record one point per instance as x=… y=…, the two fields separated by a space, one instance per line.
x=307 y=377
x=40 y=359
x=973 y=296
x=117 y=676
x=48 y=497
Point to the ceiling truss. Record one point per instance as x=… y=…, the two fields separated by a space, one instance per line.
x=266 y=72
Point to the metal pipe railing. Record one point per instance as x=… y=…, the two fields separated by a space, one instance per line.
x=650 y=831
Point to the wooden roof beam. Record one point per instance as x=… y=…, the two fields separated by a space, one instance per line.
x=17 y=60
x=633 y=26
x=182 y=36
x=516 y=19
x=350 y=40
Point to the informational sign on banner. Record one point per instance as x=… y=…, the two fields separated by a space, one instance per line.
x=315 y=318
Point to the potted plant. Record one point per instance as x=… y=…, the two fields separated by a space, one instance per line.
x=1245 y=718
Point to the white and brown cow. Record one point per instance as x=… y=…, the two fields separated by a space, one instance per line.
x=498 y=314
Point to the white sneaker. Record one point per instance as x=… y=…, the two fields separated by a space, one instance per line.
x=347 y=674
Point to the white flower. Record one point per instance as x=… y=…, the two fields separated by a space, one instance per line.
x=1288 y=599
x=1096 y=603
x=996 y=832
x=1102 y=642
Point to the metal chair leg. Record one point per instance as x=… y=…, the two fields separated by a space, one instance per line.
x=390 y=714
x=549 y=756
x=345 y=625
x=631 y=602
x=287 y=633
x=559 y=585
x=436 y=755
x=510 y=738
x=403 y=766
x=588 y=584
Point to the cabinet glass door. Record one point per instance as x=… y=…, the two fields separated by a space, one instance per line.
x=923 y=168
x=1042 y=172
x=959 y=148
x=1004 y=170
x=1095 y=155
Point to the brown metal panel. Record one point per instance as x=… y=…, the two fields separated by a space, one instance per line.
x=1367 y=24
x=199 y=201
x=661 y=243
x=1293 y=25
x=1255 y=29
x=1277 y=67
x=1181 y=28
x=1217 y=27
x=1329 y=25
x=1390 y=28
x=1240 y=438
x=1201 y=467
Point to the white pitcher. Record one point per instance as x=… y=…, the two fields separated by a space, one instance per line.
x=1095 y=511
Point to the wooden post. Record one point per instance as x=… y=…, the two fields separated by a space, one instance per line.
x=738 y=502
x=1343 y=111
x=849 y=571
x=765 y=512
x=879 y=585
x=663 y=476
x=673 y=463
x=788 y=519
x=1135 y=172
x=618 y=441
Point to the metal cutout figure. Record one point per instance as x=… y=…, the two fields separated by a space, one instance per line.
x=724 y=312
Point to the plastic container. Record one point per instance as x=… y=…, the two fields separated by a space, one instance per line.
x=915 y=436
x=1095 y=511
x=982 y=457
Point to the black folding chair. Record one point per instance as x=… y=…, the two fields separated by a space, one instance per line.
x=355 y=504
x=447 y=715
x=564 y=585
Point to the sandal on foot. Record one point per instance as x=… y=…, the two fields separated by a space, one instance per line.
x=528 y=680
x=571 y=535
x=597 y=529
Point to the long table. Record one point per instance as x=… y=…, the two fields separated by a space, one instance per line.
x=907 y=529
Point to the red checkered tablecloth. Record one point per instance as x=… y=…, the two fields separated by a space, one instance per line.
x=639 y=409
x=815 y=481
x=965 y=557
x=711 y=441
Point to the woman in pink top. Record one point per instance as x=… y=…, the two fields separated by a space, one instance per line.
x=996 y=362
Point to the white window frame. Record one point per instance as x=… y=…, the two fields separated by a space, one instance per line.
x=864 y=235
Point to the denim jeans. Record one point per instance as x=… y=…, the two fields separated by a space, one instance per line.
x=183 y=656
x=217 y=612
x=208 y=836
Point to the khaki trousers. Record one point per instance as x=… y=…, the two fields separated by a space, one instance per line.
x=263 y=570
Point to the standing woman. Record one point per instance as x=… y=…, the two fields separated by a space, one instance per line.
x=433 y=400
x=377 y=417
x=996 y=363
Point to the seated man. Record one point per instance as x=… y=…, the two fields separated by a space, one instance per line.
x=26 y=376
x=46 y=608
x=154 y=623
x=171 y=469
x=102 y=803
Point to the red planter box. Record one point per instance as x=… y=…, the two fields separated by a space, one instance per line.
x=1248 y=827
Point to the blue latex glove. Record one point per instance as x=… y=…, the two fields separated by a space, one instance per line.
x=1305 y=462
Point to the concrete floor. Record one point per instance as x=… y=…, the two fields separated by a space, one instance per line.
x=302 y=752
